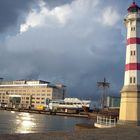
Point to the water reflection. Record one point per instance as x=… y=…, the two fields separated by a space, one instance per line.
x=25 y=123
x=12 y=112
x=17 y=122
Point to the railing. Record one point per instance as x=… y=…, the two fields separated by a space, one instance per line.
x=133 y=15
x=106 y=121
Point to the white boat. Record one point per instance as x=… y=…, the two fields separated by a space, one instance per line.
x=69 y=103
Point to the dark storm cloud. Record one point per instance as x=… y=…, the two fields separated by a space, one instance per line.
x=77 y=55
x=10 y=10
x=77 y=44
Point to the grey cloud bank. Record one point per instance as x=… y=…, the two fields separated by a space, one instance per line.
x=76 y=43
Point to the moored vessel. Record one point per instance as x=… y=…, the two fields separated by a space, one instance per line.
x=68 y=104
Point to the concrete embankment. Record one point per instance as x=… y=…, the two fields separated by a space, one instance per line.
x=80 y=114
x=86 y=134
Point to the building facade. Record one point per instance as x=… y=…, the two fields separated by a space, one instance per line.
x=29 y=93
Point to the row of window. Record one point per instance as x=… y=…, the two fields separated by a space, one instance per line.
x=23 y=102
x=37 y=102
x=41 y=95
x=29 y=87
x=132 y=80
x=25 y=91
x=133 y=28
x=27 y=98
x=38 y=98
x=2 y=101
x=25 y=94
x=132 y=53
x=3 y=97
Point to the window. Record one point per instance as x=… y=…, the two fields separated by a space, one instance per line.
x=43 y=90
x=37 y=102
x=130 y=80
x=133 y=28
x=134 y=80
x=132 y=53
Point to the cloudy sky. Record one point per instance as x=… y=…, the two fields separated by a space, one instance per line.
x=74 y=42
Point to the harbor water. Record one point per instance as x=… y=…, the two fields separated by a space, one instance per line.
x=21 y=122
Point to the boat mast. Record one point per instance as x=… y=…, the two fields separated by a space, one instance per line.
x=104 y=87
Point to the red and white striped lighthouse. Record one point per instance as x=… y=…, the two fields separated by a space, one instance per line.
x=130 y=93
x=132 y=66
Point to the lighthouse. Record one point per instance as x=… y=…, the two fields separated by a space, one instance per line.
x=130 y=93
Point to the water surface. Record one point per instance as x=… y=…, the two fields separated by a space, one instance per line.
x=20 y=122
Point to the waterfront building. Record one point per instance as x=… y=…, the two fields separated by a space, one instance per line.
x=130 y=93
x=29 y=93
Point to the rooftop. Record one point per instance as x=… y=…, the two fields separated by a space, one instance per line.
x=133 y=7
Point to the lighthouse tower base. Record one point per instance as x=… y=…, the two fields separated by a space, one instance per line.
x=130 y=106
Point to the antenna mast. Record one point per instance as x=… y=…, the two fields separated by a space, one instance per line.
x=104 y=86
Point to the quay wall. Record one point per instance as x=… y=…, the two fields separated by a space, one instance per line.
x=80 y=115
